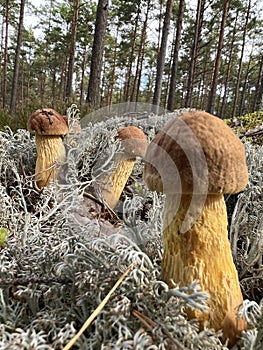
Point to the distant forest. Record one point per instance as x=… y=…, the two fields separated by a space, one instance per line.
x=205 y=54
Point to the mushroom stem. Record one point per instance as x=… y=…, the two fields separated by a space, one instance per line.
x=134 y=143
x=203 y=253
x=49 y=150
x=113 y=184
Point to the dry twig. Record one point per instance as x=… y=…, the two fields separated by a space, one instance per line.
x=98 y=309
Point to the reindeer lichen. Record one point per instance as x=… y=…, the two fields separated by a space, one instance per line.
x=63 y=254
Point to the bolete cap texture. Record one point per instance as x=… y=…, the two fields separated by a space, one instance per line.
x=196 y=147
x=133 y=140
x=47 y=121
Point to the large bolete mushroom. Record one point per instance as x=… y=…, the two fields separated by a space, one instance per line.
x=134 y=143
x=194 y=160
x=49 y=127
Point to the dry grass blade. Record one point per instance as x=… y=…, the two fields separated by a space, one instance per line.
x=98 y=309
x=150 y=324
x=43 y=171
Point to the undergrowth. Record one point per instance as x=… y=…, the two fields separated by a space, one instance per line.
x=62 y=255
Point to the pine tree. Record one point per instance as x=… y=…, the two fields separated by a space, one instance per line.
x=97 y=55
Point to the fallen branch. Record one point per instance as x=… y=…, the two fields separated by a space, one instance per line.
x=251 y=134
x=150 y=324
x=102 y=204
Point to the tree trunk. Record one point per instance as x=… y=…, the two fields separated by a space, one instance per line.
x=112 y=78
x=236 y=92
x=161 y=57
x=17 y=57
x=83 y=68
x=62 y=79
x=243 y=100
x=46 y=55
x=140 y=57
x=5 y=55
x=194 y=52
x=92 y=97
x=212 y=94
x=53 y=86
x=131 y=58
x=72 y=50
x=258 y=101
x=171 y=97
x=228 y=71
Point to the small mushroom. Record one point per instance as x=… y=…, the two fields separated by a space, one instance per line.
x=134 y=143
x=50 y=128
x=194 y=160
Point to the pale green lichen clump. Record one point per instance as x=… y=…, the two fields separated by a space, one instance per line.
x=246 y=124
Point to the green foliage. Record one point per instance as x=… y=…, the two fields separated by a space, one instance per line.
x=251 y=119
x=17 y=121
x=46 y=43
x=248 y=123
x=248 y=120
x=3 y=237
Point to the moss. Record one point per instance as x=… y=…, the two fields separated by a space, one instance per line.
x=248 y=121
x=3 y=237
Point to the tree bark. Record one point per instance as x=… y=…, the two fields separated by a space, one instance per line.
x=171 y=97
x=228 y=71
x=243 y=99
x=72 y=50
x=259 y=105
x=140 y=57
x=127 y=86
x=112 y=76
x=46 y=55
x=194 y=52
x=212 y=94
x=17 y=57
x=161 y=57
x=92 y=97
x=83 y=67
x=5 y=55
x=236 y=92
x=258 y=101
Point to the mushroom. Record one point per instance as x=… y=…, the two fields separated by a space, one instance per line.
x=49 y=128
x=134 y=143
x=194 y=160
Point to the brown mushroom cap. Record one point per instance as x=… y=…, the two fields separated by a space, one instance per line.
x=47 y=121
x=196 y=147
x=133 y=140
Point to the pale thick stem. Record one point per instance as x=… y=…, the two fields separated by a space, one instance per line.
x=113 y=184
x=50 y=149
x=203 y=253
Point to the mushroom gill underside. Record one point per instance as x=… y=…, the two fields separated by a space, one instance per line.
x=203 y=253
